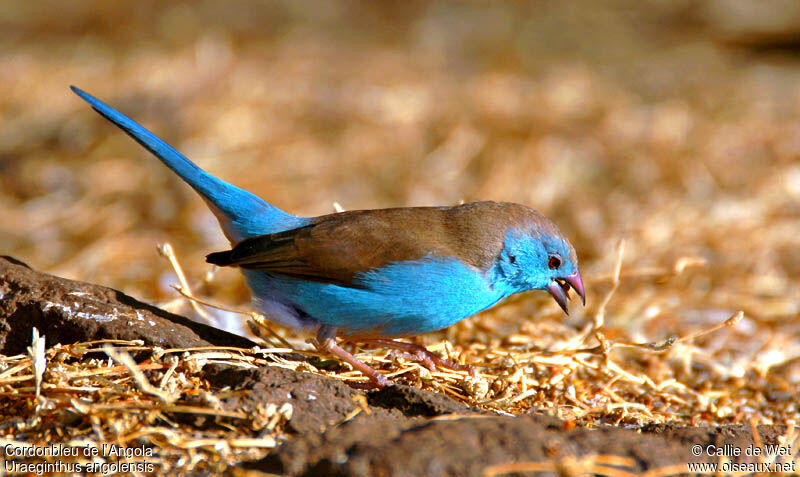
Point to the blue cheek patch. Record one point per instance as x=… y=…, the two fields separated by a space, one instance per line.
x=530 y=270
x=387 y=306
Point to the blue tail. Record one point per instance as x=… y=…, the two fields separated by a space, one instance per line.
x=240 y=213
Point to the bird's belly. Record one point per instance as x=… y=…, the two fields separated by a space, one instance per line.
x=400 y=299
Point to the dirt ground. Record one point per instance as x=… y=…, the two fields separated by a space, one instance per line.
x=331 y=428
x=662 y=137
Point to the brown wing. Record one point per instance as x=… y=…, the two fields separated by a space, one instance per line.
x=335 y=248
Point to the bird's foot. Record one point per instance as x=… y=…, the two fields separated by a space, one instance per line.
x=420 y=354
x=326 y=339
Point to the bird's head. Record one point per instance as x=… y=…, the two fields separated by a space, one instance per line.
x=539 y=257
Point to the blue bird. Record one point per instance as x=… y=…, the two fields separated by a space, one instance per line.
x=374 y=275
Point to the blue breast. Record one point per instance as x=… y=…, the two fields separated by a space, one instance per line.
x=400 y=299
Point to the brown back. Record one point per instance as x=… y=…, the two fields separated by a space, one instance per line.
x=336 y=247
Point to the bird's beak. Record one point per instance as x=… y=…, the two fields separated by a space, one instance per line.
x=559 y=289
x=576 y=283
x=558 y=295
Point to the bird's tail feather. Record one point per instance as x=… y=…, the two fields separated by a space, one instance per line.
x=223 y=259
x=240 y=213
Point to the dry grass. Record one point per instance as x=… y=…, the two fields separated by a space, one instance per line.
x=684 y=149
x=113 y=403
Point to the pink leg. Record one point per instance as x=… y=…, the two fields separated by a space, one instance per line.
x=421 y=354
x=326 y=336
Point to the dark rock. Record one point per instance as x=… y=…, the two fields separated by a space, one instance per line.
x=462 y=446
x=720 y=437
x=320 y=402
x=68 y=311
x=412 y=402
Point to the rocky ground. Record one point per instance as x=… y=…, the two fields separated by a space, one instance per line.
x=399 y=430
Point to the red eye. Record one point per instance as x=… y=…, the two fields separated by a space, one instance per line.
x=554 y=262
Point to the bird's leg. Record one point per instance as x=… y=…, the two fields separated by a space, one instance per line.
x=421 y=355
x=326 y=337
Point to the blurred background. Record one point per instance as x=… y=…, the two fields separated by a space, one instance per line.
x=674 y=124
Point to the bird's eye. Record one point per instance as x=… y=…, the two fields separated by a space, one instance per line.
x=512 y=259
x=554 y=262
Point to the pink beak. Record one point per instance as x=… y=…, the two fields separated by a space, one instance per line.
x=560 y=290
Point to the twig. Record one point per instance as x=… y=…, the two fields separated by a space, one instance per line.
x=255 y=316
x=139 y=378
x=166 y=251
x=37 y=352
